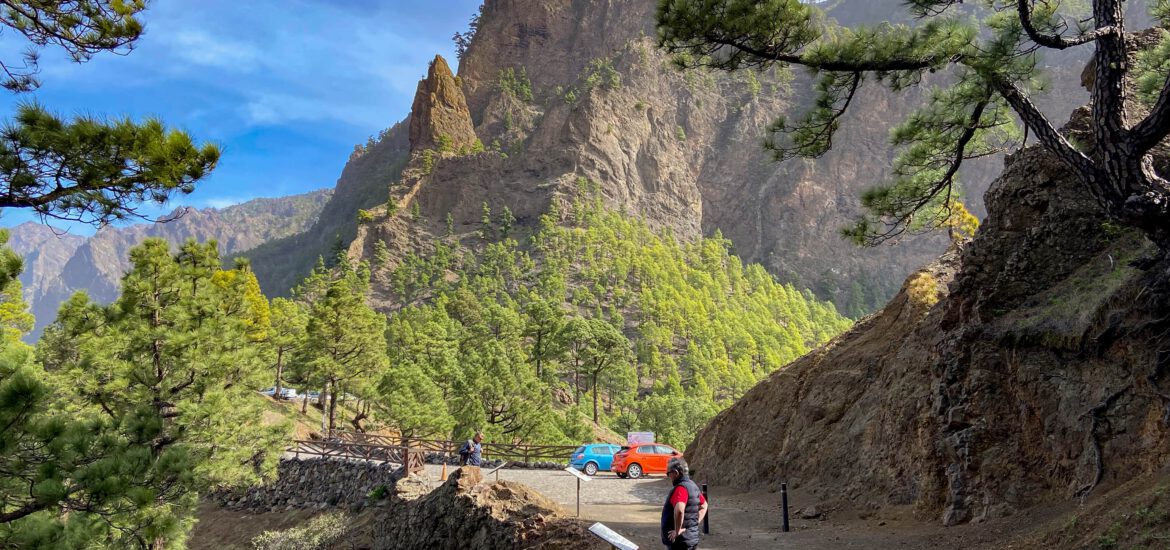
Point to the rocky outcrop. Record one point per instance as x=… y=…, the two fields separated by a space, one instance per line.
x=464 y=512
x=1039 y=374
x=56 y=266
x=680 y=150
x=439 y=116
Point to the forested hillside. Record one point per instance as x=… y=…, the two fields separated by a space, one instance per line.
x=594 y=310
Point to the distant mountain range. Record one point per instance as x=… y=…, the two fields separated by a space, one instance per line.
x=57 y=265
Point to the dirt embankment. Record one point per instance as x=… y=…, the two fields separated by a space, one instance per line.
x=1028 y=368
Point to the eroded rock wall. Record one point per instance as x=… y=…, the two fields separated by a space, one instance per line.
x=315 y=483
x=1039 y=375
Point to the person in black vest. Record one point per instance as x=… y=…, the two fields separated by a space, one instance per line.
x=683 y=510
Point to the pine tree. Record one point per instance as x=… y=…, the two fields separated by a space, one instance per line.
x=410 y=401
x=608 y=350
x=995 y=70
x=174 y=363
x=542 y=322
x=345 y=342
x=506 y=222
x=285 y=336
x=485 y=222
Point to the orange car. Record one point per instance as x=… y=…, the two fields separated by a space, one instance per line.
x=642 y=459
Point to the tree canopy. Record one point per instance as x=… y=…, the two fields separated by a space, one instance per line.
x=91 y=169
x=597 y=317
x=994 y=59
x=82 y=28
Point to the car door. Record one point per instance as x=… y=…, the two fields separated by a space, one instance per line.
x=646 y=457
x=655 y=463
x=665 y=453
x=604 y=455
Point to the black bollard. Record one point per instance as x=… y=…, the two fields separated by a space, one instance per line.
x=706 y=518
x=784 y=503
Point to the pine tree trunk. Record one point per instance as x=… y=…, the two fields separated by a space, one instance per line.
x=332 y=404
x=595 y=373
x=279 y=371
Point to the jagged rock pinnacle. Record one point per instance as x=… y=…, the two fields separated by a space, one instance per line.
x=439 y=115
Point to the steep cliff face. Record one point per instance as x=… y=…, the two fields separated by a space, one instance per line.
x=57 y=266
x=45 y=254
x=562 y=89
x=364 y=183
x=681 y=150
x=1040 y=376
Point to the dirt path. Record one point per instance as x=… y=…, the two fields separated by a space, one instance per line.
x=739 y=520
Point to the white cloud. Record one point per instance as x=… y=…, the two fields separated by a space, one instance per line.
x=200 y=48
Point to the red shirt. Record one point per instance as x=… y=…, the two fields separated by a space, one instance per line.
x=680 y=495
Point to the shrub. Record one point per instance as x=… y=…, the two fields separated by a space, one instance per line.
x=321 y=532
x=365 y=216
x=428 y=161
x=516 y=83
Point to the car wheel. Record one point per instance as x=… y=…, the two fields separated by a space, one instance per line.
x=591 y=469
x=635 y=471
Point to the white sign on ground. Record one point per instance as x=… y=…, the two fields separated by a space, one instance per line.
x=577 y=473
x=610 y=536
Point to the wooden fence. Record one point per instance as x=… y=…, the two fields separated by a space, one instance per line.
x=500 y=451
x=411 y=458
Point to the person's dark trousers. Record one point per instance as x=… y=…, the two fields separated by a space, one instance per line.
x=680 y=544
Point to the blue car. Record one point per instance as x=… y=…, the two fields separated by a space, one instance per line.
x=593 y=458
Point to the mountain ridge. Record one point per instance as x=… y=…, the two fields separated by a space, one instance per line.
x=59 y=264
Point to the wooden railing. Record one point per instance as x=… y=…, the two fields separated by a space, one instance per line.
x=412 y=458
x=500 y=451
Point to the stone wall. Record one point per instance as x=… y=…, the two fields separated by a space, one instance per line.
x=315 y=483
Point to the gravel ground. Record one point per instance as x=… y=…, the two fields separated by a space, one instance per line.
x=603 y=489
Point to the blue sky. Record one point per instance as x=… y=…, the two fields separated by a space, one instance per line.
x=286 y=87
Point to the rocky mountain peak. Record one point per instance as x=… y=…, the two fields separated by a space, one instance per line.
x=439 y=117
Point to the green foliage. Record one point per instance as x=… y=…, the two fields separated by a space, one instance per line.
x=320 y=533
x=163 y=381
x=680 y=134
x=486 y=230
x=344 y=346
x=446 y=145
x=507 y=220
x=516 y=83
x=970 y=118
x=428 y=162
x=82 y=28
x=600 y=72
x=450 y=224
x=365 y=216
x=415 y=211
x=463 y=39
x=92 y=170
x=381 y=255
x=391 y=205
x=288 y=321
x=656 y=334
